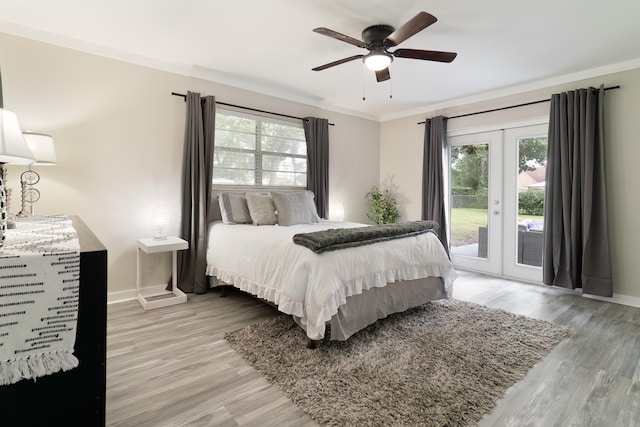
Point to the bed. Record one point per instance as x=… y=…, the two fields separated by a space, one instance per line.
x=346 y=289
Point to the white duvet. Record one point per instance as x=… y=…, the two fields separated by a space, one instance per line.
x=264 y=261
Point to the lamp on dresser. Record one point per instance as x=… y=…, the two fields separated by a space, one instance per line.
x=13 y=149
x=44 y=152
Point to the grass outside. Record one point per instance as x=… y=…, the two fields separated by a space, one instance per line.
x=465 y=223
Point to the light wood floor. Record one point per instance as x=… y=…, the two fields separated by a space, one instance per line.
x=172 y=367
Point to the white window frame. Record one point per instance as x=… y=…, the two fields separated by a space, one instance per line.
x=258 y=152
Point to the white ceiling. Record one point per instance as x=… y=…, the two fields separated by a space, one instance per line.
x=503 y=46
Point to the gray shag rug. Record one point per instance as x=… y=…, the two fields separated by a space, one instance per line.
x=445 y=363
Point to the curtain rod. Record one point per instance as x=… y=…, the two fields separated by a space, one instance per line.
x=247 y=108
x=510 y=106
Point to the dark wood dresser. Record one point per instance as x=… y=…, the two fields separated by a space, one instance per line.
x=75 y=397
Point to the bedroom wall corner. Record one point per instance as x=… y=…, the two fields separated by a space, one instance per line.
x=401 y=150
x=355 y=166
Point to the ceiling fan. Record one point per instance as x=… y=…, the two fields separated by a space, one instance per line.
x=379 y=38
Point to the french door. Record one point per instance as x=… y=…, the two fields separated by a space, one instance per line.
x=496 y=201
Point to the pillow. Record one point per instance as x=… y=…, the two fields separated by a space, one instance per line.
x=295 y=207
x=234 y=209
x=261 y=209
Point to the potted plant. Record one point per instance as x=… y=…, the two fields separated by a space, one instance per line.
x=384 y=206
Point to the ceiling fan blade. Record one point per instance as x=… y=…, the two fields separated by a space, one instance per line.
x=427 y=55
x=336 y=35
x=338 y=62
x=382 y=75
x=418 y=23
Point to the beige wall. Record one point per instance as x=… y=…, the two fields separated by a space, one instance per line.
x=118 y=134
x=401 y=142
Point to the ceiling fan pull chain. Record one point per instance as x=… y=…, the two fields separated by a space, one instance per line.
x=364 y=70
x=390 y=89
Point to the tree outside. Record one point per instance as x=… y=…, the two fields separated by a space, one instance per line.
x=532 y=153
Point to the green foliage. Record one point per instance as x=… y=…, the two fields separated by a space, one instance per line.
x=465 y=223
x=470 y=163
x=531 y=202
x=384 y=206
x=532 y=153
x=467 y=198
x=462 y=191
x=470 y=167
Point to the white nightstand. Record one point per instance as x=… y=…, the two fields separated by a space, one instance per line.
x=161 y=297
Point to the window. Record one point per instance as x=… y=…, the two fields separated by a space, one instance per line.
x=256 y=150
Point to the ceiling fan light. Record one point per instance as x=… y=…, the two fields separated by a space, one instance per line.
x=377 y=61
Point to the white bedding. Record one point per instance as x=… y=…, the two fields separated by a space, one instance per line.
x=264 y=261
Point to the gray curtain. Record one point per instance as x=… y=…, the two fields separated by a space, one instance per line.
x=316 y=132
x=433 y=178
x=576 y=241
x=196 y=190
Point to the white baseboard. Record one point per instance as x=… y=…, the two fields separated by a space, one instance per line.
x=115 y=297
x=618 y=299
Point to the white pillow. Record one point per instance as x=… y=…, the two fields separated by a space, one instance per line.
x=234 y=209
x=261 y=209
x=295 y=207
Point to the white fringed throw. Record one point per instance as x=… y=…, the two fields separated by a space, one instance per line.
x=39 y=290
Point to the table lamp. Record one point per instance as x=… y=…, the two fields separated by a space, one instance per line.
x=159 y=222
x=44 y=152
x=13 y=149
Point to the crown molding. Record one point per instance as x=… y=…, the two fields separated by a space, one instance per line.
x=517 y=89
x=194 y=71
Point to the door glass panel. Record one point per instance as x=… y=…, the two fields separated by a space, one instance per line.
x=469 y=199
x=532 y=161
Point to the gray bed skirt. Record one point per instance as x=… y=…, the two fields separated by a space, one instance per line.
x=366 y=308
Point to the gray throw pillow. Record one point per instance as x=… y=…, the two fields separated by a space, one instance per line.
x=234 y=209
x=261 y=209
x=295 y=207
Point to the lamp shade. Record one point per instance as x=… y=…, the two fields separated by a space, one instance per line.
x=13 y=147
x=159 y=222
x=42 y=147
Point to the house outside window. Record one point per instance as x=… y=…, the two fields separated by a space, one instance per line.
x=258 y=151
